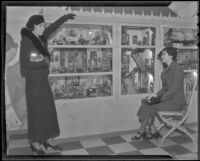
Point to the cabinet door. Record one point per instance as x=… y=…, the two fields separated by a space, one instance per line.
x=137 y=59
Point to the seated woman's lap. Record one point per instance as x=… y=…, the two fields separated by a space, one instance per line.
x=147 y=111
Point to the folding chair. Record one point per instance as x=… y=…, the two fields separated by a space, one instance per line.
x=177 y=119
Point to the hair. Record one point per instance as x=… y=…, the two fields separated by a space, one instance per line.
x=34 y=20
x=172 y=51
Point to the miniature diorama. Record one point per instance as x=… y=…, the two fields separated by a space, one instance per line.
x=69 y=87
x=82 y=34
x=137 y=71
x=188 y=59
x=141 y=36
x=180 y=37
x=80 y=60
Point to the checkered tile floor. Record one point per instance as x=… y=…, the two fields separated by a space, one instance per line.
x=178 y=145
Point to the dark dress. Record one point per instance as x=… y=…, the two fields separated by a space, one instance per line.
x=41 y=111
x=172 y=93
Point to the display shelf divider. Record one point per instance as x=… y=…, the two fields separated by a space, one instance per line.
x=190 y=70
x=136 y=46
x=80 y=46
x=184 y=47
x=78 y=74
x=91 y=99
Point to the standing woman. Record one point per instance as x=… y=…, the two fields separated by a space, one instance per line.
x=34 y=59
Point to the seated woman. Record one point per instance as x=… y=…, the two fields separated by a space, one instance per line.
x=171 y=96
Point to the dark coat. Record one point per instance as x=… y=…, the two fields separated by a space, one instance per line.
x=41 y=111
x=172 y=85
x=171 y=94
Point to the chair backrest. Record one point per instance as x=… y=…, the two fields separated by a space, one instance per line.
x=189 y=88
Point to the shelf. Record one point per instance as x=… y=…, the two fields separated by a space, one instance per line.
x=78 y=74
x=185 y=47
x=80 y=46
x=191 y=47
x=191 y=70
x=86 y=99
x=136 y=46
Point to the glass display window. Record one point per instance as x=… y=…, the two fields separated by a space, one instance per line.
x=80 y=60
x=190 y=77
x=188 y=58
x=180 y=37
x=84 y=86
x=137 y=70
x=140 y=36
x=82 y=34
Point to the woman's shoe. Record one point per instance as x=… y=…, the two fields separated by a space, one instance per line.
x=139 y=136
x=54 y=147
x=37 y=151
x=156 y=135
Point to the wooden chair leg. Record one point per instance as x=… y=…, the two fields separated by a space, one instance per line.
x=167 y=134
x=160 y=127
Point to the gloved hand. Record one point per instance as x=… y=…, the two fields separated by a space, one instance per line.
x=69 y=16
x=154 y=100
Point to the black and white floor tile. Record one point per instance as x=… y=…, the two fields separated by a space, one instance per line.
x=177 y=145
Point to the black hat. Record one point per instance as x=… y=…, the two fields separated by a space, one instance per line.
x=34 y=20
x=10 y=42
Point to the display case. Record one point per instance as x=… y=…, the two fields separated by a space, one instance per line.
x=86 y=53
x=137 y=59
x=81 y=64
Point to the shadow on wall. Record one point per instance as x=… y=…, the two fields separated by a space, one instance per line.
x=14 y=89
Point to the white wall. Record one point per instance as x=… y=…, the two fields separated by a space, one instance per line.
x=184 y=8
x=87 y=116
x=16 y=19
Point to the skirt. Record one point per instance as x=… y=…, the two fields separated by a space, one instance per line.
x=146 y=111
x=41 y=110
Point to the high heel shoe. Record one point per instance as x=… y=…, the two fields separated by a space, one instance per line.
x=54 y=147
x=37 y=151
x=139 y=136
x=156 y=135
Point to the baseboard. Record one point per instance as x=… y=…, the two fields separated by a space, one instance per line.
x=83 y=137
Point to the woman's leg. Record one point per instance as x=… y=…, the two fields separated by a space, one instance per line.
x=153 y=131
x=151 y=124
x=143 y=126
x=141 y=132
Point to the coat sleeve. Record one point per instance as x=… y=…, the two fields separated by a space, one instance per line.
x=49 y=30
x=160 y=92
x=25 y=51
x=174 y=84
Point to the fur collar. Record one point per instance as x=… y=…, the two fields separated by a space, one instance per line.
x=36 y=41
